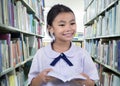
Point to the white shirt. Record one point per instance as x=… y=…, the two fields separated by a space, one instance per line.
x=81 y=60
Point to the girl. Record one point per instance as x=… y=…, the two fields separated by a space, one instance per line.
x=61 y=56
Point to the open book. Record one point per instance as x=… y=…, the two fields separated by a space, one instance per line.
x=66 y=78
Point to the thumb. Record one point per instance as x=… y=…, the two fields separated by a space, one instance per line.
x=48 y=70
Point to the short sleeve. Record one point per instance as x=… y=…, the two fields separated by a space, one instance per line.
x=89 y=67
x=34 y=69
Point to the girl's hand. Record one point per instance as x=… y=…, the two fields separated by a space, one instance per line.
x=87 y=82
x=44 y=78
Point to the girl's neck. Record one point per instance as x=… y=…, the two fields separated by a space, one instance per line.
x=61 y=46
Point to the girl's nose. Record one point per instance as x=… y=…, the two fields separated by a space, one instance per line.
x=68 y=27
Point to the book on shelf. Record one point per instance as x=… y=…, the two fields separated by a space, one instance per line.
x=114 y=19
x=12 y=80
x=32 y=40
x=109 y=79
x=66 y=78
x=5 y=50
x=99 y=25
x=5 y=12
x=1 y=21
x=118 y=18
x=114 y=54
x=10 y=12
x=110 y=61
x=118 y=55
x=25 y=47
x=4 y=81
x=104 y=25
x=39 y=42
x=0 y=57
x=16 y=51
x=19 y=14
x=115 y=80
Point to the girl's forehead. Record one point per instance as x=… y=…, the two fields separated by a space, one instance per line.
x=64 y=16
x=65 y=13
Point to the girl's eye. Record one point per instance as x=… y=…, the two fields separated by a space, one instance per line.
x=72 y=23
x=62 y=25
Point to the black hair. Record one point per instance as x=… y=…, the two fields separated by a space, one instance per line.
x=54 y=11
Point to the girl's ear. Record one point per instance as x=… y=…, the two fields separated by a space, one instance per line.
x=50 y=29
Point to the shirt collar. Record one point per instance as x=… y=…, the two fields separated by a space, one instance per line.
x=53 y=54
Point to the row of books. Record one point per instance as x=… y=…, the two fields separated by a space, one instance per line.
x=107 y=51
x=20 y=38
x=110 y=79
x=102 y=23
x=107 y=78
x=16 y=48
x=15 y=14
x=38 y=7
x=97 y=7
x=106 y=25
x=35 y=4
x=13 y=78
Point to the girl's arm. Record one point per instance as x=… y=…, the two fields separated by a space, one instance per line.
x=87 y=82
x=37 y=81
x=41 y=78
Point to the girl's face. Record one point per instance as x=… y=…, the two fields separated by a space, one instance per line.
x=64 y=26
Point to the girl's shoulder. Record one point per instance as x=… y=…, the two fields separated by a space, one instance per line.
x=43 y=48
x=79 y=49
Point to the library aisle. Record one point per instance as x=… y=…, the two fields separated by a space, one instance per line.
x=22 y=24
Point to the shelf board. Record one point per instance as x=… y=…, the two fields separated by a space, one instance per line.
x=36 y=17
x=6 y=71
x=77 y=40
x=29 y=8
x=13 y=29
x=108 y=67
x=22 y=63
x=104 y=37
x=17 y=65
x=102 y=12
x=4 y=27
x=27 y=60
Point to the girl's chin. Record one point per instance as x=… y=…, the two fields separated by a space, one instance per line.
x=68 y=39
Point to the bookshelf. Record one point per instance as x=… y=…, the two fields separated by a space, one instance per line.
x=102 y=38
x=78 y=43
x=78 y=39
x=21 y=33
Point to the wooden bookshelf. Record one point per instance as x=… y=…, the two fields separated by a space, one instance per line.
x=16 y=30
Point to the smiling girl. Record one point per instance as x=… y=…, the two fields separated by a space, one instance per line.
x=61 y=55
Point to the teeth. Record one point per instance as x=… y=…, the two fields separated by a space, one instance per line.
x=68 y=34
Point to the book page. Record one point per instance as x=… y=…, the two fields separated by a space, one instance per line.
x=65 y=78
